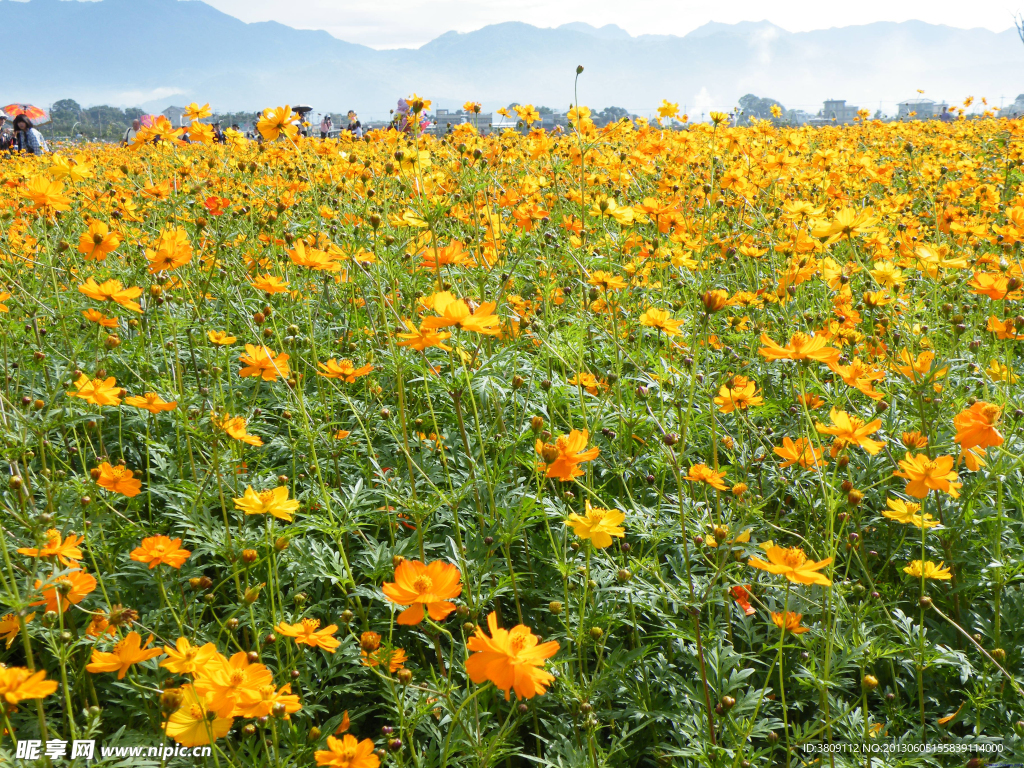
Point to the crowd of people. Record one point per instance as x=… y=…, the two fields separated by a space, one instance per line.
x=22 y=136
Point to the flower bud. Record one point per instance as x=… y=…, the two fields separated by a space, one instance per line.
x=252 y=594
x=171 y=699
x=555 y=607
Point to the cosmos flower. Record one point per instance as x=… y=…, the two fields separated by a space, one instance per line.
x=793 y=564
x=563 y=457
x=306 y=632
x=510 y=659
x=417 y=586
x=598 y=525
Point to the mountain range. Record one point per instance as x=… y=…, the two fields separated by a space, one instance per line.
x=152 y=53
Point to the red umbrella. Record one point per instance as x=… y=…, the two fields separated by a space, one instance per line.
x=35 y=114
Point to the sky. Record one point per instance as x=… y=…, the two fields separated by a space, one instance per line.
x=411 y=23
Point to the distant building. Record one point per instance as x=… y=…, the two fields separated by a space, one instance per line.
x=176 y=115
x=444 y=117
x=1016 y=109
x=797 y=117
x=920 y=109
x=554 y=120
x=837 y=111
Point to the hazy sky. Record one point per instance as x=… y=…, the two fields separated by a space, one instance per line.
x=410 y=23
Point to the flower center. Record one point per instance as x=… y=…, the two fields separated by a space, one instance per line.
x=516 y=644
x=422 y=584
x=794 y=558
x=237 y=678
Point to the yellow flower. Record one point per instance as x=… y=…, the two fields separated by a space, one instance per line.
x=702 y=473
x=599 y=525
x=274 y=122
x=793 y=564
x=789 y=623
x=97 y=391
x=906 y=512
x=928 y=570
x=274 y=502
x=220 y=338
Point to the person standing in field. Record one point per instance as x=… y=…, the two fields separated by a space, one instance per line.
x=325 y=127
x=27 y=139
x=354 y=126
x=131 y=133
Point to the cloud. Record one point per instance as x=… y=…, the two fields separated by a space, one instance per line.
x=140 y=97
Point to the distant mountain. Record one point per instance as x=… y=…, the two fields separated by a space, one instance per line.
x=153 y=53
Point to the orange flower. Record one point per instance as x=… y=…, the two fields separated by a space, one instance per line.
x=811 y=401
x=347 y=752
x=740 y=393
x=510 y=659
x=702 y=473
x=47 y=196
x=1003 y=330
x=18 y=684
x=394 y=658
x=306 y=633
x=127 y=652
x=800 y=452
x=741 y=594
x=151 y=402
x=563 y=457
x=271 y=697
x=161 y=550
x=789 y=623
x=263 y=362
x=186 y=659
x=976 y=426
x=269 y=284
x=920 y=369
x=662 y=320
x=98 y=241
x=171 y=250
x=112 y=290
x=97 y=391
x=232 y=683
x=234 y=426
x=417 y=585
x=66 y=551
x=455 y=311
x=117 y=479
x=794 y=565
x=274 y=122
x=10 y=627
x=800 y=347
x=851 y=430
x=195 y=721
x=73 y=588
x=95 y=316
x=993 y=285
x=344 y=369
x=926 y=475
x=423 y=338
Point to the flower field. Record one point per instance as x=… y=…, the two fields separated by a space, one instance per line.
x=618 y=447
